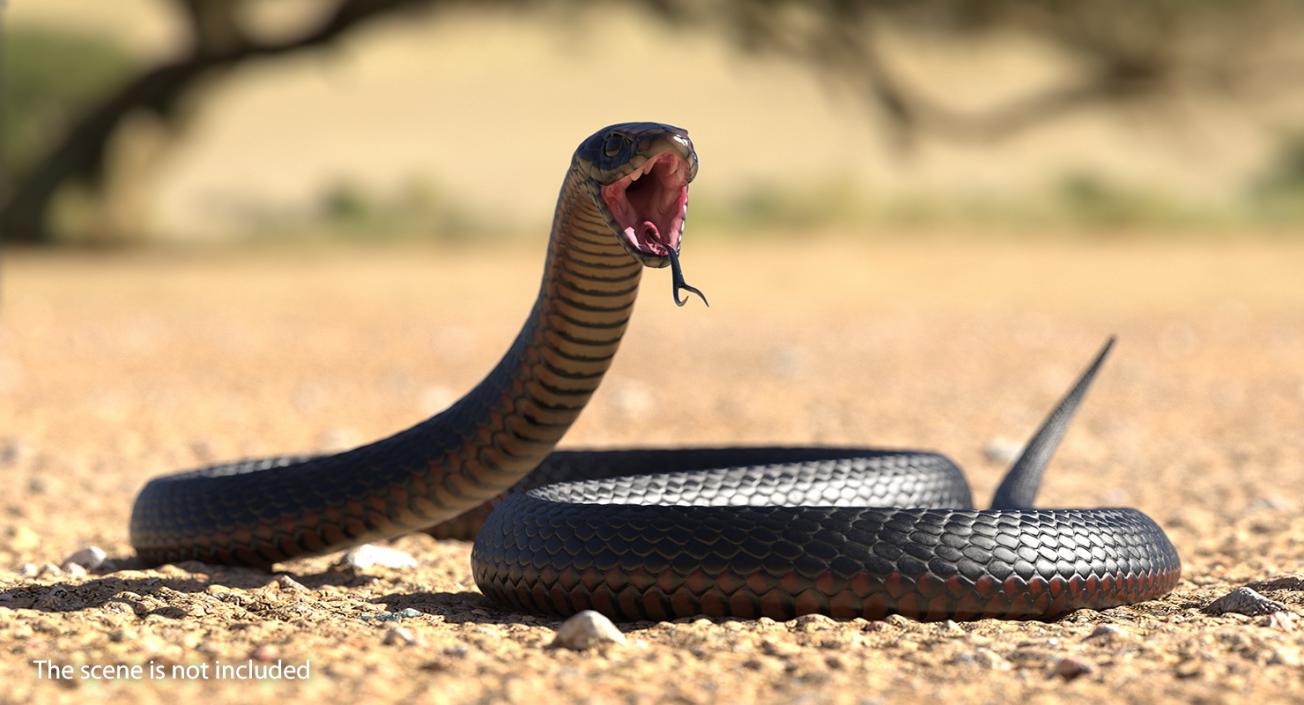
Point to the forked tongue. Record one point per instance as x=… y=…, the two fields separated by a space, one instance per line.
x=677 y=280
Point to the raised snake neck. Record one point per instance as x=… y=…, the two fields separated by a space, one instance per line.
x=439 y=468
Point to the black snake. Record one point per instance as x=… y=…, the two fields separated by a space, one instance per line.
x=656 y=534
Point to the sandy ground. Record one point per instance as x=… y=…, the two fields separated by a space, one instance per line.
x=113 y=369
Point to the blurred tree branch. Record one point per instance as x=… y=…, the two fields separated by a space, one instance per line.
x=1123 y=50
x=218 y=42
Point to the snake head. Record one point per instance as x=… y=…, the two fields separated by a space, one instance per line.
x=639 y=174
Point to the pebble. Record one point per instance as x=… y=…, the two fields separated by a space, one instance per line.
x=405 y=613
x=587 y=629
x=368 y=555
x=29 y=570
x=400 y=636
x=897 y=620
x=265 y=653
x=1106 y=632
x=1189 y=668
x=984 y=658
x=813 y=623
x=90 y=558
x=285 y=582
x=1284 y=657
x=1070 y=668
x=1245 y=601
x=1285 y=621
x=1002 y=450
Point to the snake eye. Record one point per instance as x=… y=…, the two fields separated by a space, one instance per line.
x=614 y=144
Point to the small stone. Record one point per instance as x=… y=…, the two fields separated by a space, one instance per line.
x=286 y=583
x=587 y=629
x=90 y=558
x=29 y=570
x=1070 y=668
x=75 y=570
x=50 y=569
x=1285 y=621
x=1284 y=657
x=983 y=658
x=1002 y=450
x=1106 y=632
x=1245 y=601
x=897 y=620
x=813 y=623
x=401 y=636
x=1187 y=669
x=265 y=653
x=991 y=660
x=368 y=555
x=409 y=613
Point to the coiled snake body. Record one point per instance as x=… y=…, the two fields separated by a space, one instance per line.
x=656 y=534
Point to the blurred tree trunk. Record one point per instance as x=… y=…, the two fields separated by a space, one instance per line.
x=218 y=43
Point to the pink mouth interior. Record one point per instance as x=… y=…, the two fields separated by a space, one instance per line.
x=648 y=204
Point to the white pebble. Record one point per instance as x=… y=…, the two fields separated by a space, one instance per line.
x=90 y=558
x=368 y=555
x=400 y=636
x=285 y=582
x=1002 y=450
x=585 y=630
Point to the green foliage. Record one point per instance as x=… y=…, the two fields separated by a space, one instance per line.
x=1090 y=199
x=417 y=209
x=47 y=75
x=1278 y=194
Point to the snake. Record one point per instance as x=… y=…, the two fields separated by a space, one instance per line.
x=661 y=533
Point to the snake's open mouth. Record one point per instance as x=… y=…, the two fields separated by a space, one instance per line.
x=648 y=204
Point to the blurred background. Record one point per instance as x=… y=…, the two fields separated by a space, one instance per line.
x=175 y=121
x=235 y=228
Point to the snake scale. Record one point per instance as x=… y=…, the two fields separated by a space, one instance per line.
x=661 y=533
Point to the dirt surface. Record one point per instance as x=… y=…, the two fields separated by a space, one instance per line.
x=113 y=369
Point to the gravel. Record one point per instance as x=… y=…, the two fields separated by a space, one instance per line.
x=131 y=359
